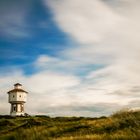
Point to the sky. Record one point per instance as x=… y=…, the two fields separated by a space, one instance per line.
x=74 y=57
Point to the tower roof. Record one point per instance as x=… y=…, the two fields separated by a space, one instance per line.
x=17 y=90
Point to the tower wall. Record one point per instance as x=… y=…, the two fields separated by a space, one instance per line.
x=17 y=96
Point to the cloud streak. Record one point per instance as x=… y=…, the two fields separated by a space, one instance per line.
x=107 y=36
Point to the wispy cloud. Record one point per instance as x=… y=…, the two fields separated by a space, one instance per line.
x=109 y=36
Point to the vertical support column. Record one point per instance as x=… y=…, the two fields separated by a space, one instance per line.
x=16 y=107
x=11 y=108
x=22 y=107
x=19 y=108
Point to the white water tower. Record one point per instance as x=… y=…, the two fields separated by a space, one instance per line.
x=17 y=98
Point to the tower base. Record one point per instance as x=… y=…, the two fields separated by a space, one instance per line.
x=17 y=114
x=17 y=109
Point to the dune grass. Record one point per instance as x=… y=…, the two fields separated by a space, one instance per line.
x=123 y=125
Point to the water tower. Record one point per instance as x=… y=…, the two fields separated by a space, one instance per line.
x=17 y=98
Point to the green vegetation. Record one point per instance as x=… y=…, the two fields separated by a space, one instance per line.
x=123 y=125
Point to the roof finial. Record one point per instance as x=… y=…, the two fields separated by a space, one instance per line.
x=17 y=86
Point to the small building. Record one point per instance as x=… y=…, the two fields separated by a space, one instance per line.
x=17 y=97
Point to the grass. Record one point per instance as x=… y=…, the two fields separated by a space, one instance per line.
x=123 y=125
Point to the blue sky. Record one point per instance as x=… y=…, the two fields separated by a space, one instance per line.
x=76 y=57
x=40 y=35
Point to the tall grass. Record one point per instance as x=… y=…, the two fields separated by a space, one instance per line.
x=123 y=125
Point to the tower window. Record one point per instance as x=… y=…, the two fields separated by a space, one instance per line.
x=14 y=108
x=13 y=96
x=19 y=95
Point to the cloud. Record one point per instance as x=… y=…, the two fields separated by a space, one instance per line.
x=88 y=110
x=107 y=33
x=135 y=104
x=88 y=22
x=107 y=36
